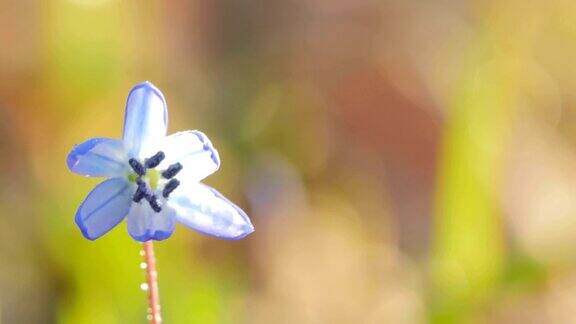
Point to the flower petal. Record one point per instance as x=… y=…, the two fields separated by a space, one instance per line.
x=146 y=120
x=194 y=151
x=204 y=209
x=98 y=157
x=145 y=224
x=104 y=208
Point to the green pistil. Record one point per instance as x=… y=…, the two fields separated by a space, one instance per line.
x=132 y=177
x=153 y=177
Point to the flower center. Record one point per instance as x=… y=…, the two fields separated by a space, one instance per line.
x=153 y=177
x=148 y=178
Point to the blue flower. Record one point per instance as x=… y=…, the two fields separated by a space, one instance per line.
x=153 y=179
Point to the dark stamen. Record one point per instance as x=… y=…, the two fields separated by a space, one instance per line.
x=137 y=167
x=169 y=187
x=140 y=192
x=172 y=171
x=139 y=195
x=153 y=161
x=153 y=203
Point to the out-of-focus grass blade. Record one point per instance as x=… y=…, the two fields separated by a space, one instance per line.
x=468 y=250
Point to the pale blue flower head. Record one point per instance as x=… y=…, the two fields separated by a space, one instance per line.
x=153 y=179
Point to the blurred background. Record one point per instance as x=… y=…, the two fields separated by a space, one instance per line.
x=402 y=161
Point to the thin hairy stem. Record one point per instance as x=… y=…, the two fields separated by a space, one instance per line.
x=154 y=314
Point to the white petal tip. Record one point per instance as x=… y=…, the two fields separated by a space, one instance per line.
x=148 y=86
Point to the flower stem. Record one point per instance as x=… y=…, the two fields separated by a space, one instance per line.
x=152 y=283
